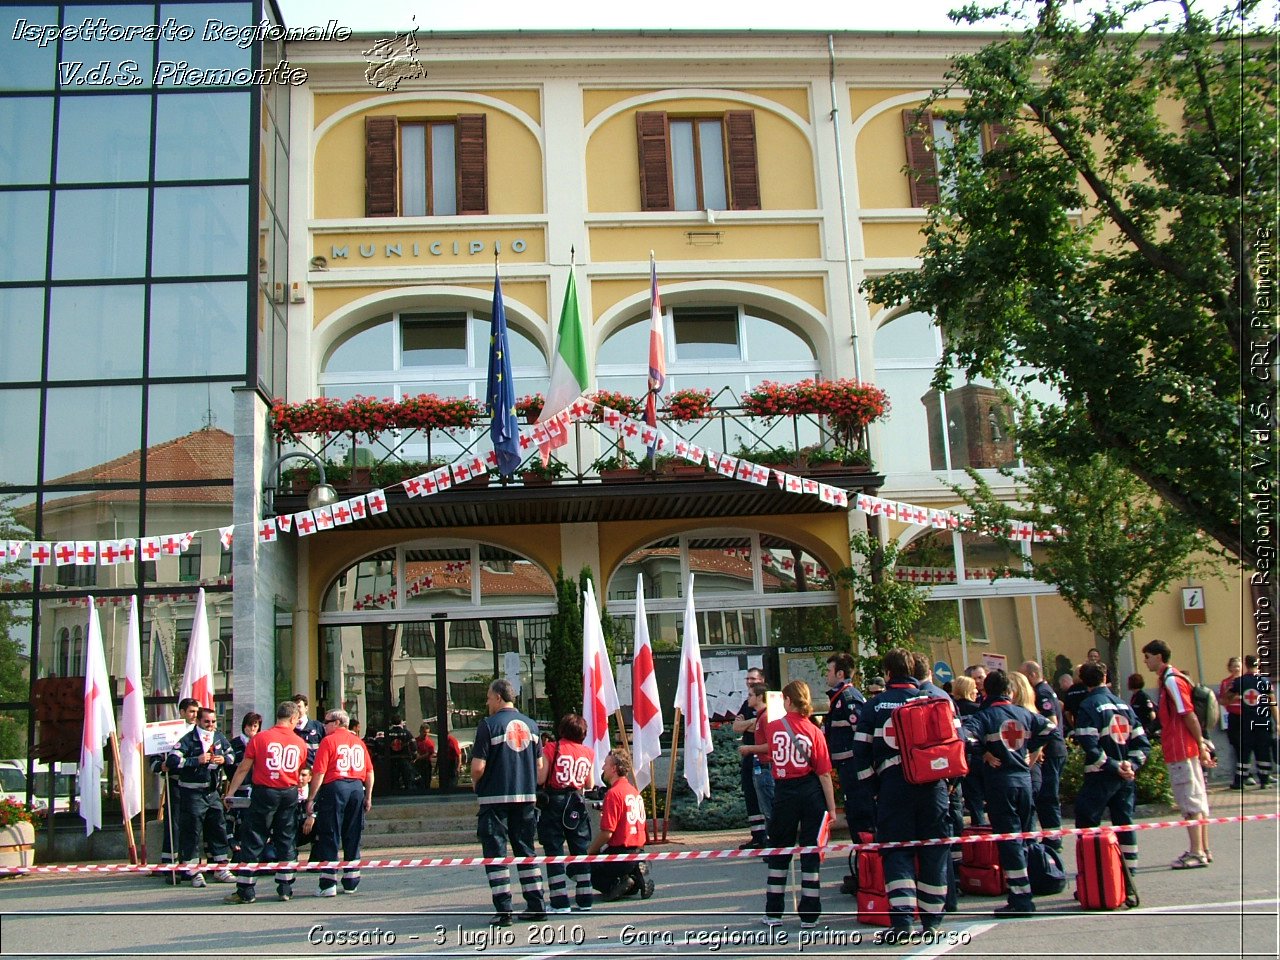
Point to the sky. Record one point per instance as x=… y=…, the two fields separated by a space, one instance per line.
x=906 y=15
x=663 y=14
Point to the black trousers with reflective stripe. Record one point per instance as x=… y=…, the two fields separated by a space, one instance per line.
x=798 y=806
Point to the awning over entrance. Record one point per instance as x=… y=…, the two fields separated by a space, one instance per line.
x=656 y=498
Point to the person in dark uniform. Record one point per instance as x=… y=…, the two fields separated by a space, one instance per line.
x=402 y=750
x=274 y=758
x=1073 y=697
x=801 y=763
x=505 y=763
x=566 y=773
x=341 y=794
x=249 y=726
x=1115 y=747
x=844 y=700
x=311 y=731
x=745 y=724
x=923 y=675
x=1047 y=801
x=199 y=759
x=904 y=811
x=170 y=810
x=1258 y=714
x=623 y=829
x=1002 y=735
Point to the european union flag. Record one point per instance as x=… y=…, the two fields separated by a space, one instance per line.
x=504 y=429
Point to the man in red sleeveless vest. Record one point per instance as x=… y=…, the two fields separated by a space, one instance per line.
x=341 y=794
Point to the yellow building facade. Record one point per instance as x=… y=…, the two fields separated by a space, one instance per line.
x=767 y=174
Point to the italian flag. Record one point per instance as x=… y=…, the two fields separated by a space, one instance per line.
x=569 y=373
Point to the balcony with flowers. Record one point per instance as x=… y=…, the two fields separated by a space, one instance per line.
x=813 y=427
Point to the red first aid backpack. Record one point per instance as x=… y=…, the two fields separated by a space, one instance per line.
x=931 y=750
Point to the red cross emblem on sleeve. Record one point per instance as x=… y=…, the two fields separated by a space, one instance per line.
x=1119 y=730
x=517 y=736
x=1251 y=697
x=1014 y=735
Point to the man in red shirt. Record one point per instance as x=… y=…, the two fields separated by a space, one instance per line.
x=274 y=757
x=622 y=830
x=1186 y=752
x=426 y=758
x=342 y=780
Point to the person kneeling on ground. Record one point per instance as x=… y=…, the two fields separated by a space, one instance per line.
x=622 y=830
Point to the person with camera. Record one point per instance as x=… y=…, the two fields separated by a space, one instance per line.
x=563 y=818
x=199 y=759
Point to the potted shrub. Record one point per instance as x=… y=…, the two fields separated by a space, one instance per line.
x=847 y=405
x=619 y=466
x=673 y=466
x=17 y=833
x=686 y=406
x=535 y=474
x=818 y=460
x=626 y=405
x=530 y=407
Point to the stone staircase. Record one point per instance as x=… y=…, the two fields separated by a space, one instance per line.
x=415 y=822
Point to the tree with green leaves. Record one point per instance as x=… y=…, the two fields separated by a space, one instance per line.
x=886 y=610
x=1117 y=242
x=563 y=665
x=1115 y=547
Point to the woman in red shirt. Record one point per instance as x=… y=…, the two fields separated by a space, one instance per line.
x=566 y=773
x=802 y=791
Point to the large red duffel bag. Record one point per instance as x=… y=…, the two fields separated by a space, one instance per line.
x=1102 y=882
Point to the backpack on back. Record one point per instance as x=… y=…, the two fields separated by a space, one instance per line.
x=928 y=744
x=1205 y=703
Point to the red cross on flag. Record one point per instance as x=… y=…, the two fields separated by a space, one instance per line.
x=461 y=472
x=86 y=553
x=377 y=501
x=197 y=675
x=1014 y=735
x=127 y=551
x=41 y=553
x=305 y=522
x=792 y=483
x=682 y=448
x=224 y=536
x=429 y=485
x=413 y=487
x=695 y=454
x=809 y=486
x=759 y=475
x=599 y=695
x=285 y=522
x=133 y=718
x=341 y=514
x=580 y=408
x=171 y=545
x=727 y=466
x=691 y=700
x=443 y=477
x=743 y=470
x=538 y=435
x=646 y=708
x=357 y=507
x=109 y=551
x=713 y=459
x=324 y=517
x=14 y=549
x=629 y=428
x=99 y=724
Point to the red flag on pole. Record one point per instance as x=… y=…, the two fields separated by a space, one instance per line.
x=657 y=349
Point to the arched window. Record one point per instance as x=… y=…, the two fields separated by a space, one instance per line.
x=713 y=346
x=425 y=351
x=965 y=427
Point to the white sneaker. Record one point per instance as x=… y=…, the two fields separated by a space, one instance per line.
x=224 y=876
x=560 y=910
x=327 y=892
x=771 y=921
x=197 y=879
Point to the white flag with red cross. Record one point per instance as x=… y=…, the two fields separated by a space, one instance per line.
x=197 y=675
x=646 y=707
x=99 y=724
x=599 y=695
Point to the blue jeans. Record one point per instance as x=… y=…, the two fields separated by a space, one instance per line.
x=762 y=777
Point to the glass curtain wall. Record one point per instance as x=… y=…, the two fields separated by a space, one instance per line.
x=140 y=231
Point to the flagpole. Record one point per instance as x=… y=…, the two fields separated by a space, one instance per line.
x=653 y=451
x=622 y=730
x=142 y=776
x=128 y=821
x=653 y=798
x=671 y=775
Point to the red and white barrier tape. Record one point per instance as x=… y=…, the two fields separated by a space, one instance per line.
x=755 y=853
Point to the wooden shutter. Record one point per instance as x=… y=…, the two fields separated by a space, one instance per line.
x=654 y=145
x=922 y=167
x=993 y=141
x=380 y=177
x=744 y=174
x=473 y=177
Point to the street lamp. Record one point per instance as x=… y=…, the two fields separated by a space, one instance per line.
x=321 y=495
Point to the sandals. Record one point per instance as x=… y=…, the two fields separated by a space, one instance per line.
x=1189 y=861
